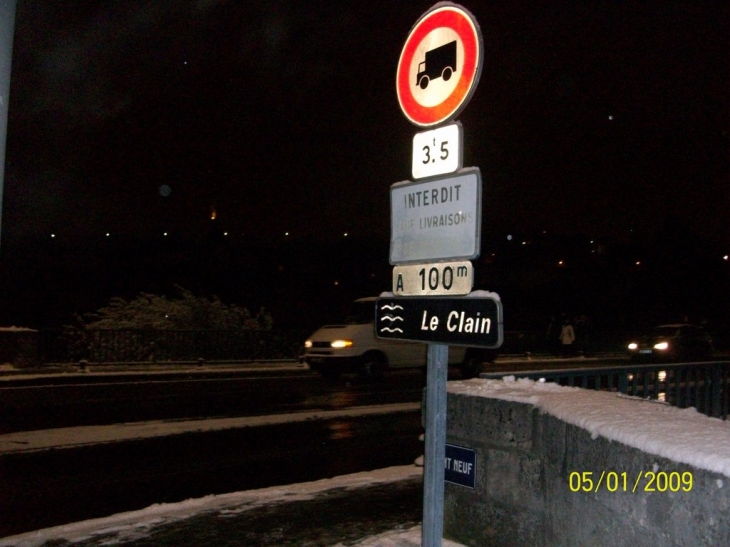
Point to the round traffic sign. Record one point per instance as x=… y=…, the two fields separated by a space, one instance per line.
x=440 y=65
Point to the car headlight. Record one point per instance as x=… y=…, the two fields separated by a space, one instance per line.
x=341 y=343
x=661 y=346
x=633 y=345
x=308 y=344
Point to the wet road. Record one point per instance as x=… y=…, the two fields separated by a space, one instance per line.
x=51 y=487
x=109 y=399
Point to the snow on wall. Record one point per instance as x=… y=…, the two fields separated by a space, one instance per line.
x=682 y=435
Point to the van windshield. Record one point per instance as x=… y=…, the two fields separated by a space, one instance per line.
x=360 y=313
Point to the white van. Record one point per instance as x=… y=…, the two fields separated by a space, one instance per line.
x=353 y=347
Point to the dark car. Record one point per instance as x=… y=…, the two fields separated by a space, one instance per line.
x=677 y=342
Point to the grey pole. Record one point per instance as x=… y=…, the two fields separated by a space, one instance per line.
x=7 y=29
x=437 y=363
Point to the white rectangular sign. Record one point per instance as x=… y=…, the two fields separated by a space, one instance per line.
x=437 y=152
x=436 y=220
x=441 y=278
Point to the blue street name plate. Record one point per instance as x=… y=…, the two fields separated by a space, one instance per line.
x=460 y=466
x=473 y=320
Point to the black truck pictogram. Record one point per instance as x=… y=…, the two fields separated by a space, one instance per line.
x=440 y=62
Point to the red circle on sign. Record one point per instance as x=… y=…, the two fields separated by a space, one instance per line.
x=462 y=23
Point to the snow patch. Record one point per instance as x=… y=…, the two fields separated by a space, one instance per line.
x=397 y=538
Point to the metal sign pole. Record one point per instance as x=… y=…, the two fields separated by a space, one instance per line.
x=7 y=27
x=437 y=364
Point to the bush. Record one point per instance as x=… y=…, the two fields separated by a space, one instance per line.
x=152 y=327
x=151 y=311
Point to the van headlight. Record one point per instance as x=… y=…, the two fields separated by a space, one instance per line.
x=661 y=346
x=633 y=346
x=341 y=343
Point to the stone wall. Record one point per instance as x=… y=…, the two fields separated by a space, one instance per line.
x=523 y=496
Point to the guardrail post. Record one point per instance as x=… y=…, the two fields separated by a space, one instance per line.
x=623 y=382
x=716 y=392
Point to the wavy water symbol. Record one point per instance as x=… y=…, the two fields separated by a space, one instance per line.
x=391 y=318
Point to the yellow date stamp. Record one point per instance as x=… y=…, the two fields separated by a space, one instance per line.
x=621 y=481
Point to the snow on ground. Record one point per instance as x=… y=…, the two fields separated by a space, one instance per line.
x=397 y=538
x=682 y=435
x=133 y=525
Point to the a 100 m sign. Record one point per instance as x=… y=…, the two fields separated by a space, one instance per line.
x=443 y=278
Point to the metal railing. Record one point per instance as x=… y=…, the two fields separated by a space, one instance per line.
x=147 y=345
x=139 y=346
x=525 y=341
x=702 y=385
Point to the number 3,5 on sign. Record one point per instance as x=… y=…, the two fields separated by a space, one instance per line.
x=437 y=152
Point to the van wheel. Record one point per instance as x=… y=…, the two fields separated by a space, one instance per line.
x=373 y=367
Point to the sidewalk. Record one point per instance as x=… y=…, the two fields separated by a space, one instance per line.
x=66 y=370
x=69 y=370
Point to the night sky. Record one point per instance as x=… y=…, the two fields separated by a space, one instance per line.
x=597 y=117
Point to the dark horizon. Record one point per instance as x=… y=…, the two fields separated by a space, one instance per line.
x=594 y=118
x=601 y=122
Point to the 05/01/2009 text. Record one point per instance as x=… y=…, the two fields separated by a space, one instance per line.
x=645 y=481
